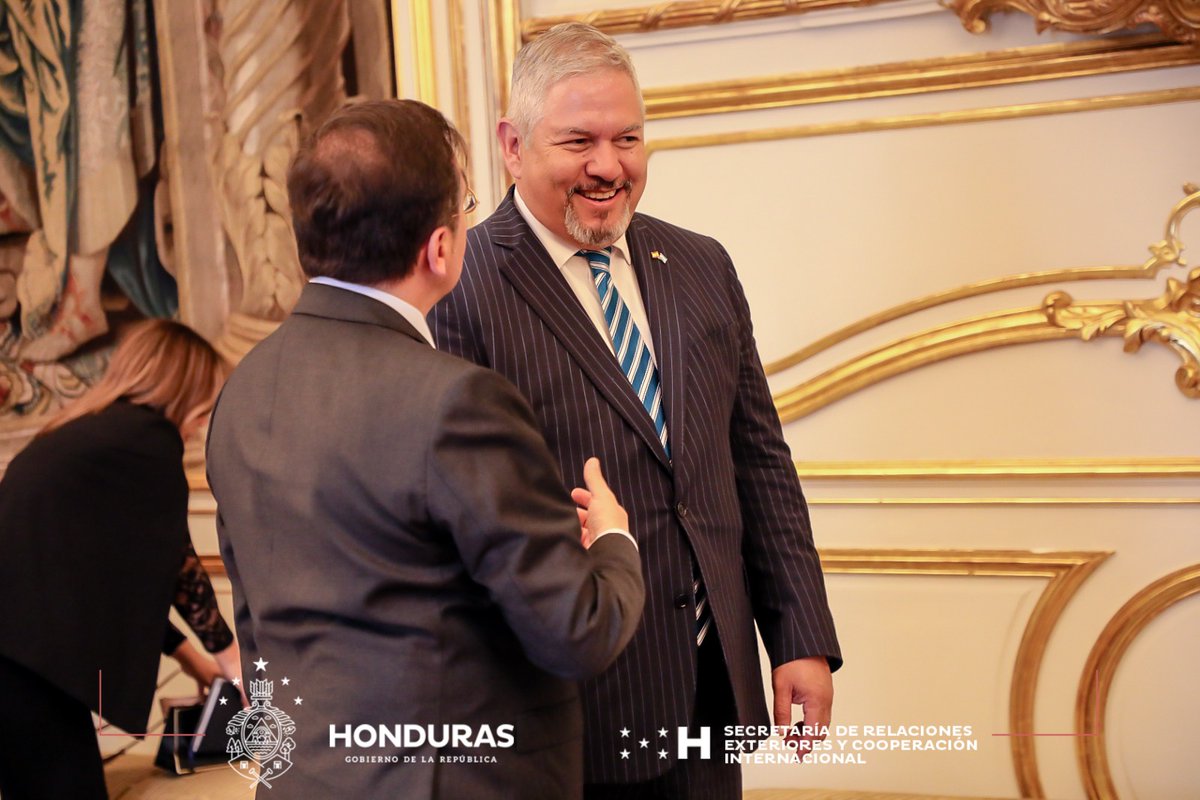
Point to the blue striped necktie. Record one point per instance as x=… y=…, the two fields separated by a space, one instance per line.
x=630 y=348
x=634 y=357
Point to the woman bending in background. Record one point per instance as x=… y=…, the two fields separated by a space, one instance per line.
x=93 y=531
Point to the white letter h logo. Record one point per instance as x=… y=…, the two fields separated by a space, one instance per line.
x=702 y=741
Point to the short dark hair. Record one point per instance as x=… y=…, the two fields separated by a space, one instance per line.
x=369 y=187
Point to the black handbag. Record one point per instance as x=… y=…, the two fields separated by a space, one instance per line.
x=194 y=739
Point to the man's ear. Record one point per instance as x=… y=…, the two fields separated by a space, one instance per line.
x=435 y=256
x=510 y=146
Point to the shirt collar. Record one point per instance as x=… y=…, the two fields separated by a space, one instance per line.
x=404 y=309
x=559 y=249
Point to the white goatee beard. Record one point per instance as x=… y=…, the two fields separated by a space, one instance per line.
x=596 y=237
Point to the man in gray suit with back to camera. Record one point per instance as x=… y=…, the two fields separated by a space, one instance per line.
x=404 y=557
x=631 y=338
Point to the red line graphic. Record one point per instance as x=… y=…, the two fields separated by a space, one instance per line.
x=100 y=713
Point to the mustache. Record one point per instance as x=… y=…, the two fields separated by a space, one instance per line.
x=604 y=186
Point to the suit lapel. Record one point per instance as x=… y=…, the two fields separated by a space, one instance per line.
x=541 y=284
x=660 y=295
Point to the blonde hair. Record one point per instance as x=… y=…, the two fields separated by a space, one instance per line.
x=161 y=364
x=562 y=52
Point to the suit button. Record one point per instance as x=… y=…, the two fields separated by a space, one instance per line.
x=681 y=600
x=681 y=510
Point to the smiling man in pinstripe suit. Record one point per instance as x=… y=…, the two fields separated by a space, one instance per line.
x=632 y=340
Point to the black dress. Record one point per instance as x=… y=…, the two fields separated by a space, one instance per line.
x=93 y=522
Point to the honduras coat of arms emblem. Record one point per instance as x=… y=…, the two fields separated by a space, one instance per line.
x=260 y=738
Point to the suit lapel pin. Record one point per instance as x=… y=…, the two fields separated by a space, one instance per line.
x=657 y=256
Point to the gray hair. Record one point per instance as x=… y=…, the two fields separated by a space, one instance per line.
x=564 y=51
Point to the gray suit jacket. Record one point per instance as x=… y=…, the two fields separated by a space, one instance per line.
x=728 y=496
x=402 y=549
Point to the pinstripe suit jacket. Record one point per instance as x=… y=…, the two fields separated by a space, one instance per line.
x=730 y=495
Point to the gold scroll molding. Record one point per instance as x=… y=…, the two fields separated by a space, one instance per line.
x=686 y=14
x=1066 y=572
x=990 y=114
x=1017 y=65
x=1036 y=470
x=1172 y=319
x=1003 y=501
x=1039 y=469
x=1165 y=253
x=845 y=794
x=966 y=71
x=1179 y=19
x=1096 y=681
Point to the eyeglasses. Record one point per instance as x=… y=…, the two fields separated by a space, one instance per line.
x=469 y=202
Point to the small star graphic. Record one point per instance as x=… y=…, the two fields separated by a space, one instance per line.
x=223 y=700
x=299 y=701
x=624 y=733
x=624 y=754
x=662 y=753
x=286 y=681
x=644 y=744
x=237 y=681
x=260 y=664
x=662 y=731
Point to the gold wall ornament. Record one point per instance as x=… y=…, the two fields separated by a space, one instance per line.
x=1172 y=319
x=1066 y=572
x=1091 y=699
x=914 y=502
x=922 y=76
x=1004 y=469
x=985 y=332
x=845 y=794
x=1184 y=94
x=1179 y=19
x=972 y=471
x=1055 y=320
x=686 y=14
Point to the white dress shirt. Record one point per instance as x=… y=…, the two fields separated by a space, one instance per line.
x=578 y=273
